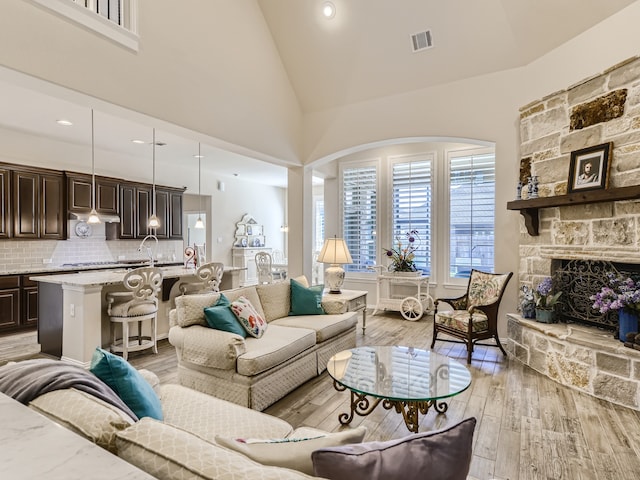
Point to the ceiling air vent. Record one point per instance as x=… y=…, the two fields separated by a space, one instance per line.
x=421 y=41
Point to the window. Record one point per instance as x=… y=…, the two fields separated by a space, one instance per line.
x=113 y=19
x=471 y=211
x=411 y=206
x=359 y=204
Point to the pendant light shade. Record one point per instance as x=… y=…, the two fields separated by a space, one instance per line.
x=154 y=221
x=93 y=215
x=199 y=223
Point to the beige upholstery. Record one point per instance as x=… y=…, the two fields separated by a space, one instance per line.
x=136 y=305
x=475 y=315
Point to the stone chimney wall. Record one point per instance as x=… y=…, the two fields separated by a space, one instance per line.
x=601 y=109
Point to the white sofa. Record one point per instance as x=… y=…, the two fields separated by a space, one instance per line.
x=256 y=372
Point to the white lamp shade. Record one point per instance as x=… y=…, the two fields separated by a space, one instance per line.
x=335 y=251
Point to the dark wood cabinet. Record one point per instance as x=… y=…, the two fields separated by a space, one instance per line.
x=38 y=202
x=5 y=203
x=9 y=302
x=29 y=296
x=143 y=210
x=52 y=214
x=162 y=211
x=80 y=197
x=175 y=216
x=128 y=207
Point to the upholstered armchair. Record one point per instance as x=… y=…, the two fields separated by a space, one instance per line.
x=475 y=314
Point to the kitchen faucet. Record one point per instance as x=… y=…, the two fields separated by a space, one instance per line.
x=149 y=252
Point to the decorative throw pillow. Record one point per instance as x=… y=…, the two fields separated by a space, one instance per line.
x=443 y=454
x=306 y=300
x=248 y=316
x=294 y=453
x=127 y=382
x=222 y=318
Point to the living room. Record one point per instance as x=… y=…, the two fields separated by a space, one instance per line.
x=222 y=105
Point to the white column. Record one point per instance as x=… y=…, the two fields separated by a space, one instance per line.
x=81 y=323
x=300 y=221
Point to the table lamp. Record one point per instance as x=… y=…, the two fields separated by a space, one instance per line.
x=335 y=252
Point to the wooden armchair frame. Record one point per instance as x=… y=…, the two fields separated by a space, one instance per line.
x=468 y=336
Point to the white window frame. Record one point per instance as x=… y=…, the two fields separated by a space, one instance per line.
x=446 y=208
x=376 y=163
x=127 y=37
x=431 y=156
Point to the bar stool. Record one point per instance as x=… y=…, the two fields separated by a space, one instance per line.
x=137 y=304
x=208 y=278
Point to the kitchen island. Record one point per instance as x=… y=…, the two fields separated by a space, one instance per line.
x=73 y=318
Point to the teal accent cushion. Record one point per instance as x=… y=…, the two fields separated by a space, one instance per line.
x=222 y=318
x=127 y=382
x=306 y=300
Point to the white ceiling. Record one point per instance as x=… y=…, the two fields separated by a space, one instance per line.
x=362 y=53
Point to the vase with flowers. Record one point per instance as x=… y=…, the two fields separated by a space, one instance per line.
x=621 y=294
x=546 y=301
x=403 y=255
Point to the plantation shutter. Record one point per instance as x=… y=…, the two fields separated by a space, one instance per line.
x=359 y=201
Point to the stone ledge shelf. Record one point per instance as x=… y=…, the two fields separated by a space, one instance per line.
x=529 y=208
x=580 y=357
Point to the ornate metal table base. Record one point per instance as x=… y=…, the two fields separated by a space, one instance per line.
x=361 y=405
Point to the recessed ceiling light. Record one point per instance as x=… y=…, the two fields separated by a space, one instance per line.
x=63 y=122
x=328 y=10
x=198 y=156
x=139 y=142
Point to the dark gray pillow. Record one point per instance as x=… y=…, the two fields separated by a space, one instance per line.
x=443 y=455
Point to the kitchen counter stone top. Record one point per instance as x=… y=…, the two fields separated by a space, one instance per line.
x=114 y=276
x=16 y=270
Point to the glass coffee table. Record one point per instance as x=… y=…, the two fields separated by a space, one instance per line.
x=407 y=379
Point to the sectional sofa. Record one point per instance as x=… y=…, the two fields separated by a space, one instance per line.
x=256 y=372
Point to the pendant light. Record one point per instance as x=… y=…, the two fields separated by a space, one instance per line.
x=93 y=215
x=199 y=222
x=154 y=221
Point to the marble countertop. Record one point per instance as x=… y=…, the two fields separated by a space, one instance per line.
x=11 y=270
x=35 y=447
x=113 y=277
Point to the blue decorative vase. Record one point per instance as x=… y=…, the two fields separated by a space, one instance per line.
x=627 y=323
x=545 y=316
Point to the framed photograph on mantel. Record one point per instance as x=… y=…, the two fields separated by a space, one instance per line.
x=589 y=168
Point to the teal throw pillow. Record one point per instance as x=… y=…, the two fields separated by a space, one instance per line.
x=222 y=318
x=127 y=382
x=306 y=300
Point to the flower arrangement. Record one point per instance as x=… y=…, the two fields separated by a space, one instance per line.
x=402 y=256
x=545 y=300
x=621 y=294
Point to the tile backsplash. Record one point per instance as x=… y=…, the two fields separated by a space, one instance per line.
x=36 y=254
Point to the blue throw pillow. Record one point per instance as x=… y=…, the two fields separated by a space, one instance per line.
x=222 y=318
x=306 y=300
x=127 y=382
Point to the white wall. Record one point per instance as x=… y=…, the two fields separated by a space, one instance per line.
x=481 y=108
x=196 y=70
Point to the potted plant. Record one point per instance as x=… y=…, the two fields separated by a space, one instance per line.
x=545 y=301
x=622 y=294
x=403 y=256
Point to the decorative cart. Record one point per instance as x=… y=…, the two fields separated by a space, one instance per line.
x=410 y=307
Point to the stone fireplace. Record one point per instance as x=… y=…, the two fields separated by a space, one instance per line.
x=601 y=109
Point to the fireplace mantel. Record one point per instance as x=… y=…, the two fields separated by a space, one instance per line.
x=529 y=208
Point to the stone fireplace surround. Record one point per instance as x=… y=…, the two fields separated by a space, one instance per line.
x=603 y=108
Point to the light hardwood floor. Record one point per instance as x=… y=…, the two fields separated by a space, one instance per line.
x=529 y=427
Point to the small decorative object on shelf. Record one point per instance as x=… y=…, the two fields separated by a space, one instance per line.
x=528 y=303
x=621 y=295
x=519 y=191
x=532 y=187
x=546 y=301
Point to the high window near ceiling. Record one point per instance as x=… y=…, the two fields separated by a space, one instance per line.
x=114 y=19
x=472 y=194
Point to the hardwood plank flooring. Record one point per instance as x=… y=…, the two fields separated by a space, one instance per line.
x=529 y=427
